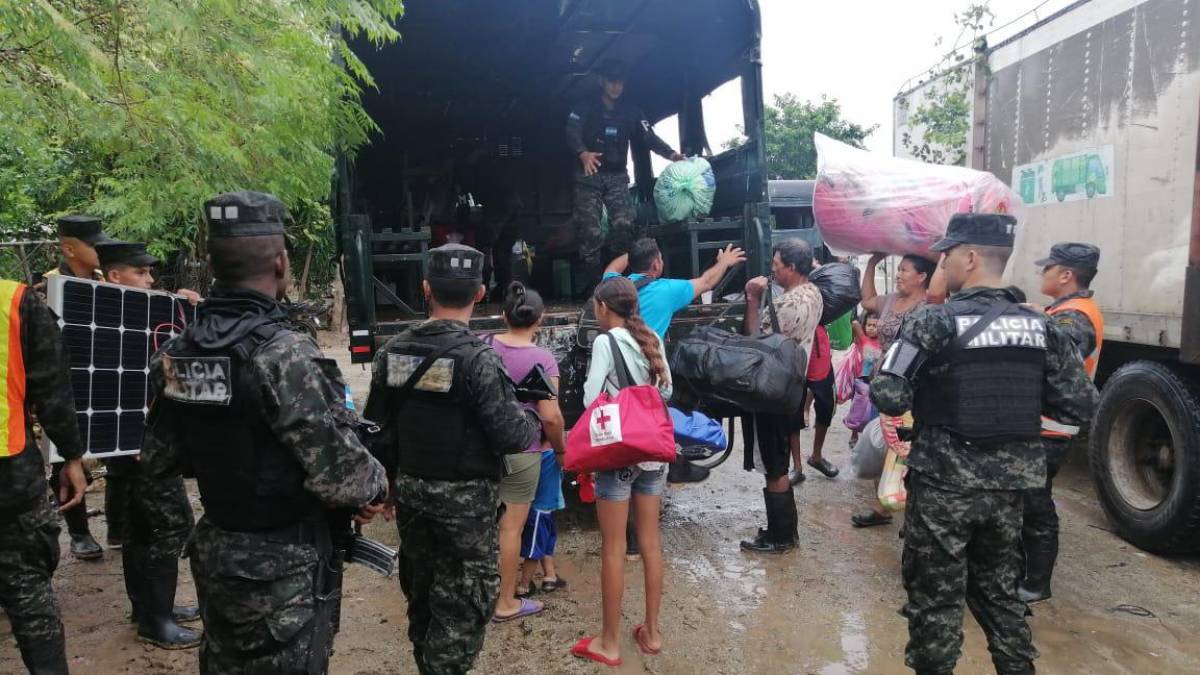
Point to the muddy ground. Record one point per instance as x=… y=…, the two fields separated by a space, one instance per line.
x=827 y=608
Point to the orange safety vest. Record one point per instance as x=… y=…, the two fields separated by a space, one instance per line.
x=12 y=370
x=1087 y=307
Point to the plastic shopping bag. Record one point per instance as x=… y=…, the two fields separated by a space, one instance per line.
x=892 y=494
x=869 y=454
x=865 y=202
x=685 y=190
x=861 y=410
x=846 y=373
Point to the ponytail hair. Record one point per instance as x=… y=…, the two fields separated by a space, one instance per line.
x=523 y=307
x=620 y=296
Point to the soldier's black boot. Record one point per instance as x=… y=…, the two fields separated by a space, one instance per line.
x=156 y=599
x=131 y=565
x=46 y=659
x=83 y=545
x=1039 y=566
x=780 y=534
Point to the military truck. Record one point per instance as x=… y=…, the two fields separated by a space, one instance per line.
x=1099 y=106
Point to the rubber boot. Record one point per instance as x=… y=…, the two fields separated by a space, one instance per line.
x=156 y=599
x=83 y=545
x=683 y=471
x=780 y=534
x=49 y=658
x=116 y=504
x=1040 y=554
x=133 y=573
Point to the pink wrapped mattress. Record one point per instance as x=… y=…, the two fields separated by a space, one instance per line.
x=866 y=202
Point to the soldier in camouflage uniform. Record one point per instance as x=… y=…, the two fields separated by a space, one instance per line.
x=977 y=372
x=599 y=130
x=1066 y=275
x=254 y=411
x=449 y=414
x=28 y=527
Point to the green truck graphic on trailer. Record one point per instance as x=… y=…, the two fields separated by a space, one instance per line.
x=1071 y=174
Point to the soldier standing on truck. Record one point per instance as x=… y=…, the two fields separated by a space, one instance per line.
x=598 y=133
x=252 y=410
x=977 y=372
x=1067 y=274
x=449 y=415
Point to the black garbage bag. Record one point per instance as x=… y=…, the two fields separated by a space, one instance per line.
x=840 y=289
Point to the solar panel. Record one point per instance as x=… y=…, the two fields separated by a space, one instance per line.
x=110 y=332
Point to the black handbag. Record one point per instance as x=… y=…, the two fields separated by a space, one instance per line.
x=718 y=371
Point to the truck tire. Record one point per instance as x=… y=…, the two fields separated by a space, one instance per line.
x=1145 y=457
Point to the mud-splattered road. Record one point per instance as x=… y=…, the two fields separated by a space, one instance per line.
x=827 y=608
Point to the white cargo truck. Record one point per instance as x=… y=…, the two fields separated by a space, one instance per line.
x=1093 y=117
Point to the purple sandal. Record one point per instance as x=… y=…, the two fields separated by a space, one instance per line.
x=528 y=608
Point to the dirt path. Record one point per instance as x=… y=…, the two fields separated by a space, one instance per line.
x=828 y=608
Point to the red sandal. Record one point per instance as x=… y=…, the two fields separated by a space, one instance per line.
x=583 y=650
x=637 y=638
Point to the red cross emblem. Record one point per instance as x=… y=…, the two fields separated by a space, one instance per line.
x=603 y=419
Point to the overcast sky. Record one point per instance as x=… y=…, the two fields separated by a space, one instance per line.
x=860 y=52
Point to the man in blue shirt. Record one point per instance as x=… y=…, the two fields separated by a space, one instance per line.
x=660 y=299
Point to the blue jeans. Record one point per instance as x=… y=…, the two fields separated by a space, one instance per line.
x=616 y=485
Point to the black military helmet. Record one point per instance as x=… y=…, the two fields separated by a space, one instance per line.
x=455 y=261
x=114 y=252
x=981 y=229
x=244 y=214
x=84 y=228
x=1072 y=254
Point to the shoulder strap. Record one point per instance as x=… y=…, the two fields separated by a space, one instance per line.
x=259 y=336
x=771 y=310
x=643 y=282
x=624 y=379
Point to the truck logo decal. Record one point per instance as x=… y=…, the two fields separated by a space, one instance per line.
x=1077 y=176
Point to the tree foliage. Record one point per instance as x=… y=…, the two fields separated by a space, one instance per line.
x=139 y=110
x=788 y=127
x=942 y=119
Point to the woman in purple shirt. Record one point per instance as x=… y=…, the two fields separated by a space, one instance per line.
x=523 y=309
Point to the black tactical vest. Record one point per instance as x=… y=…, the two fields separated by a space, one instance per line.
x=248 y=480
x=435 y=426
x=607 y=131
x=990 y=389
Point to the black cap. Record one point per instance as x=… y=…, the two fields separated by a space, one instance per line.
x=455 y=261
x=981 y=229
x=612 y=70
x=84 y=228
x=133 y=253
x=244 y=214
x=1072 y=254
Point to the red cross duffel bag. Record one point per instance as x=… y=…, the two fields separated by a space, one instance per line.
x=623 y=430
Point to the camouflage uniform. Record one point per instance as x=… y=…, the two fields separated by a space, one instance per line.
x=593 y=126
x=448 y=528
x=963 y=522
x=1039 y=531
x=28 y=527
x=261 y=555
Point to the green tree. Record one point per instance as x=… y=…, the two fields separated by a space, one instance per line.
x=138 y=111
x=789 y=125
x=942 y=119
